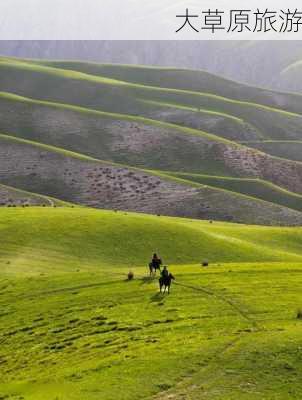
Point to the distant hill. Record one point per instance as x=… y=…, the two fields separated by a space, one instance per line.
x=11 y=197
x=135 y=138
x=270 y=64
x=109 y=240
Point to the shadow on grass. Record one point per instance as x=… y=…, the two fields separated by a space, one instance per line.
x=157 y=298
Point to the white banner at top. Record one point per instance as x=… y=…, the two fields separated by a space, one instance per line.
x=150 y=20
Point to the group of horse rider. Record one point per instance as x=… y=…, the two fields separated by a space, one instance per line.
x=165 y=276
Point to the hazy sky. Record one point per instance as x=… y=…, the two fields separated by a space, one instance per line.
x=118 y=19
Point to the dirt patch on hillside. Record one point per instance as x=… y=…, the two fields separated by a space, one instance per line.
x=11 y=198
x=107 y=186
x=250 y=163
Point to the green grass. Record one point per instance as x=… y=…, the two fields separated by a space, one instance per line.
x=180 y=78
x=289 y=149
x=73 y=328
x=25 y=142
x=94 y=134
x=202 y=110
x=101 y=125
x=211 y=124
x=97 y=92
x=185 y=130
x=62 y=86
x=17 y=195
x=216 y=122
x=251 y=187
x=201 y=201
x=126 y=239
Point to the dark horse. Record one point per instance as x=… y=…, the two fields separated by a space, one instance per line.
x=166 y=282
x=154 y=266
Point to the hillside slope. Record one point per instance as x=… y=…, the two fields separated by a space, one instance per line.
x=156 y=128
x=290 y=149
x=12 y=197
x=237 y=60
x=251 y=187
x=87 y=181
x=73 y=322
x=186 y=79
x=135 y=144
x=107 y=239
x=98 y=92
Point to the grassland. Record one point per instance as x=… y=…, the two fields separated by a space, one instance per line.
x=12 y=197
x=156 y=119
x=163 y=142
x=250 y=187
x=72 y=327
x=87 y=181
x=290 y=149
x=42 y=82
x=183 y=79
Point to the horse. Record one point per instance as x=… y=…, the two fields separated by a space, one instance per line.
x=153 y=267
x=166 y=282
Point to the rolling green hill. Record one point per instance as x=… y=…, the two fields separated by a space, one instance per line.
x=290 y=149
x=72 y=327
x=98 y=92
x=236 y=60
x=135 y=140
x=168 y=156
x=185 y=79
x=59 y=85
x=80 y=179
x=113 y=137
x=107 y=239
x=12 y=197
x=124 y=117
x=251 y=187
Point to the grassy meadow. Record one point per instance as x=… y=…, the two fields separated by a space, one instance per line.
x=103 y=165
x=73 y=327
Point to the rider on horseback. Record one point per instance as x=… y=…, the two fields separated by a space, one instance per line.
x=156 y=261
x=165 y=280
x=155 y=264
x=164 y=273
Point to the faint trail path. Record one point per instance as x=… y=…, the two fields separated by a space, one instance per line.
x=171 y=394
x=64 y=290
x=174 y=394
x=222 y=298
x=209 y=292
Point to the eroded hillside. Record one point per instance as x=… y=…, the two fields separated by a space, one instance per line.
x=157 y=121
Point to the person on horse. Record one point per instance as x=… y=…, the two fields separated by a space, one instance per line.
x=164 y=273
x=156 y=261
x=155 y=264
x=165 y=280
